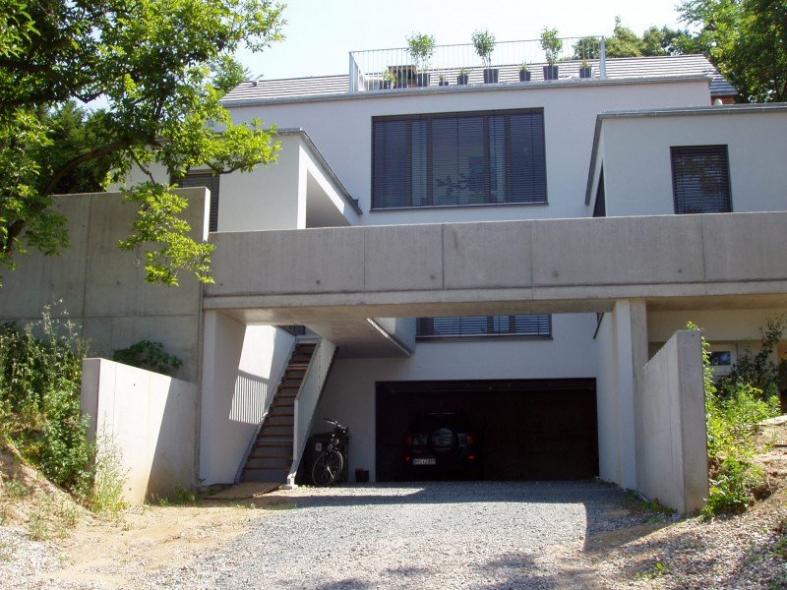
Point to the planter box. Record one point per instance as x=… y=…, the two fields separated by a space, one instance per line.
x=524 y=76
x=423 y=80
x=491 y=75
x=586 y=72
x=550 y=72
x=461 y=79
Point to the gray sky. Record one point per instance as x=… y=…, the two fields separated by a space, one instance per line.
x=319 y=33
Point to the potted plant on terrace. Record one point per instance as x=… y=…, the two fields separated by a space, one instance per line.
x=484 y=45
x=443 y=81
x=551 y=45
x=421 y=47
x=585 y=70
x=387 y=80
x=462 y=77
x=524 y=73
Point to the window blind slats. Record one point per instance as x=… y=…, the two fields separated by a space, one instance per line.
x=521 y=325
x=459 y=159
x=211 y=182
x=701 y=179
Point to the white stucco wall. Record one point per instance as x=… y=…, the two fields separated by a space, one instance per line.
x=350 y=392
x=638 y=171
x=341 y=130
x=147 y=420
x=242 y=367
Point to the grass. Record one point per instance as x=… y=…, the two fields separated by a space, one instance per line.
x=658 y=511
x=6 y=552
x=658 y=570
x=52 y=518
x=14 y=489
x=180 y=497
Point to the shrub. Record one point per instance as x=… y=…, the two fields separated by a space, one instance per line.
x=40 y=400
x=732 y=416
x=150 y=356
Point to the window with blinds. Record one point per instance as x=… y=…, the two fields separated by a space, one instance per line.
x=456 y=159
x=211 y=182
x=492 y=325
x=701 y=179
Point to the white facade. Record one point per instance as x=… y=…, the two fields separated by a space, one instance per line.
x=635 y=155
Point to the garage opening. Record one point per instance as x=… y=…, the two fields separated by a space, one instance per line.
x=492 y=430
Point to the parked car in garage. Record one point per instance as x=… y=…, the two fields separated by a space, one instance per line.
x=441 y=445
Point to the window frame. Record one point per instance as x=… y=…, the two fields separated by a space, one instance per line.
x=726 y=153
x=374 y=208
x=504 y=335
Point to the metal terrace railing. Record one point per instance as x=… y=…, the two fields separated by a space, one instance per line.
x=449 y=65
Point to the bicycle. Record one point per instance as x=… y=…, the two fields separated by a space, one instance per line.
x=329 y=464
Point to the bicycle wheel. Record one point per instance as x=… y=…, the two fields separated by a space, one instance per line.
x=327 y=468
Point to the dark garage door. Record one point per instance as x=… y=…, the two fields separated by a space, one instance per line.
x=534 y=429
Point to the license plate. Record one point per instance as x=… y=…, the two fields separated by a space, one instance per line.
x=424 y=461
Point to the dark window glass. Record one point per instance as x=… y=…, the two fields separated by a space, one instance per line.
x=701 y=179
x=491 y=325
x=211 y=182
x=459 y=159
x=600 y=208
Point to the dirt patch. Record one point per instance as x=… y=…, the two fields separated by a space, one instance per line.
x=744 y=551
x=145 y=541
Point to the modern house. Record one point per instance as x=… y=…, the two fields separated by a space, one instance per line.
x=523 y=253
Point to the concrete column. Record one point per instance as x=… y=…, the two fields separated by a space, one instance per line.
x=631 y=334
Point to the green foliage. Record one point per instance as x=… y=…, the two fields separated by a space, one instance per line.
x=732 y=418
x=658 y=570
x=161 y=68
x=39 y=400
x=757 y=369
x=587 y=48
x=746 y=40
x=150 y=356
x=626 y=43
x=524 y=67
x=484 y=45
x=551 y=44
x=158 y=224
x=180 y=497
x=109 y=479
x=421 y=48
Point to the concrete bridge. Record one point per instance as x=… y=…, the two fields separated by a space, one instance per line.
x=560 y=265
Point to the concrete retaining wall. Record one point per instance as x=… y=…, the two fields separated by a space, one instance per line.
x=148 y=418
x=672 y=458
x=103 y=289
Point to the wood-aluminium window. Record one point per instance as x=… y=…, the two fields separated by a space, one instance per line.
x=459 y=159
x=539 y=325
x=701 y=179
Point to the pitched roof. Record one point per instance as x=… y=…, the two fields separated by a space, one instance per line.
x=617 y=68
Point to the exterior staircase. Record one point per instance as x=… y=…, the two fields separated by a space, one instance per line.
x=270 y=458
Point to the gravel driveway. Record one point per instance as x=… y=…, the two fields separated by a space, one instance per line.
x=437 y=535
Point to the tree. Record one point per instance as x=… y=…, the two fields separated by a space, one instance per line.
x=746 y=40
x=625 y=43
x=161 y=67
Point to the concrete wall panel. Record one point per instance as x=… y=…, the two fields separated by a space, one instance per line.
x=672 y=459
x=416 y=251
x=103 y=289
x=148 y=419
x=479 y=256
